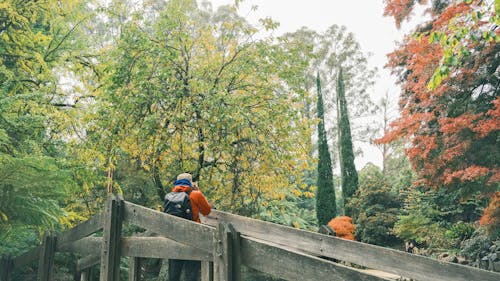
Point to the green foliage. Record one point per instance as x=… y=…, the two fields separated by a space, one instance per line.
x=375 y=208
x=190 y=89
x=347 y=167
x=419 y=228
x=437 y=218
x=294 y=211
x=398 y=171
x=465 y=28
x=36 y=177
x=325 y=196
x=460 y=231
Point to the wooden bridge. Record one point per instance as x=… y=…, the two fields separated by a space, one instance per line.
x=223 y=243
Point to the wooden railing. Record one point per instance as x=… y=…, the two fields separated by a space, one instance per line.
x=223 y=243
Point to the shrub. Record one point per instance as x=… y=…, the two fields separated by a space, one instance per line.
x=343 y=226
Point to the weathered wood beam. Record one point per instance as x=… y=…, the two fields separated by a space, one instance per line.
x=85 y=246
x=47 y=256
x=160 y=247
x=207 y=271
x=371 y=256
x=6 y=266
x=293 y=265
x=87 y=262
x=222 y=253
x=145 y=247
x=178 y=229
x=135 y=269
x=110 y=250
x=235 y=253
x=80 y=231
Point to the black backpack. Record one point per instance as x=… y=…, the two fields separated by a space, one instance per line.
x=178 y=204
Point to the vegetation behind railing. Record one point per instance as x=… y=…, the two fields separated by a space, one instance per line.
x=223 y=243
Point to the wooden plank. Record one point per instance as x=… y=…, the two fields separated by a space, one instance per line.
x=207 y=271
x=85 y=246
x=27 y=258
x=47 y=255
x=146 y=247
x=161 y=247
x=6 y=267
x=235 y=253
x=222 y=254
x=85 y=275
x=292 y=265
x=135 y=269
x=385 y=259
x=87 y=262
x=110 y=250
x=80 y=231
x=178 y=229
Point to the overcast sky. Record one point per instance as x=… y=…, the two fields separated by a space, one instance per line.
x=364 y=18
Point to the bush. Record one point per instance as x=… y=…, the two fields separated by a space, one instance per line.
x=460 y=231
x=343 y=226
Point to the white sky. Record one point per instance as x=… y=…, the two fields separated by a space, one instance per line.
x=364 y=18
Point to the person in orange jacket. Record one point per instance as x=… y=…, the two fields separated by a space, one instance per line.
x=199 y=204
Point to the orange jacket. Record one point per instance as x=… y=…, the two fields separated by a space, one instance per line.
x=199 y=203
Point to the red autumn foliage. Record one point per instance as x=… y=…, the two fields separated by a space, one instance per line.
x=400 y=9
x=451 y=131
x=491 y=216
x=343 y=226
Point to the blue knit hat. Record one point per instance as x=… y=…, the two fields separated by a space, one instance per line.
x=183 y=182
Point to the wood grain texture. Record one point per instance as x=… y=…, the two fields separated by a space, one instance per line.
x=371 y=256
x=292 y=265
x=80 y=231
x=178 y=229
x=160 y=247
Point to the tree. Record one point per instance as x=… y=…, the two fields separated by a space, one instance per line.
x=325 y=196
x=330 y=49
x=450 y=124
x=375 y=208
x=347 y=168
x=192 y=90
x=36 y=181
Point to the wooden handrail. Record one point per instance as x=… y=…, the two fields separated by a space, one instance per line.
x=230 y=240
x=175 y=228
x=371 y=256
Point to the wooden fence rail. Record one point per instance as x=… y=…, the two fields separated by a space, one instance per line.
x=224 y=243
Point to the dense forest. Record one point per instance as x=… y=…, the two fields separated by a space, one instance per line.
x=120 y=96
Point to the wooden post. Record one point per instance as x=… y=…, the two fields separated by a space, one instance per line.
x=6 y=267
x=85 y=275
x=235 y=253
x=222 y=254
x=207 y=271
x=46 y=261
x=135 y=269
x=110 y=253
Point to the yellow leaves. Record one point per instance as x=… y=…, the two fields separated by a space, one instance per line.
x=3 y=216
x=296 y=192
x=72 y=218
x=261 y=137
x=308 y=194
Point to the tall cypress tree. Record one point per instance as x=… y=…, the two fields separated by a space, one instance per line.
x=347 y=167
x=325 y=196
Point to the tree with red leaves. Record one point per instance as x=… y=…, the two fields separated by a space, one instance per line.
x=450 y=104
